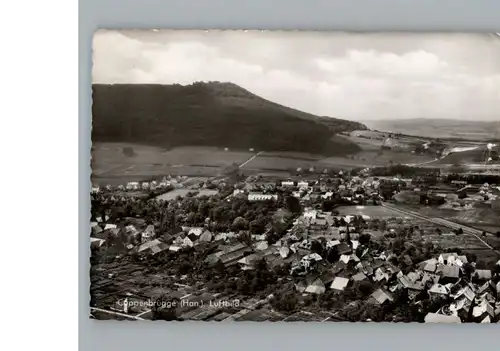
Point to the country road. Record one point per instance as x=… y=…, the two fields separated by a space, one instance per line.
x=442 y=222
x=250 y=159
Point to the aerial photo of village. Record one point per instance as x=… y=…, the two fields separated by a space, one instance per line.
x=211 y=202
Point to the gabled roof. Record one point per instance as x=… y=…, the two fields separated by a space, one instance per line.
x=381 y=296
x=339 y=283
x=448 y=271
x=483 y=307
x=206 y=237
x=148 y=245
x=359 y=277
x=484 y=274
x=439 y=289
x=317 y=287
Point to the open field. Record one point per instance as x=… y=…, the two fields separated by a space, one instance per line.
x=485 y=257
x=378 y=212
x=279 y=163
x=481 y=218
x=118 y=163
x=183 y=192
x=448 y=241
x=286 y=161
x=107 y=155
x=439 y=128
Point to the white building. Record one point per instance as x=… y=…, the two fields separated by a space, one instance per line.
x=287 y=183
x=148 y=233
x=132 y=185
x=261 y=197
x=303 y=185
x=310 y=214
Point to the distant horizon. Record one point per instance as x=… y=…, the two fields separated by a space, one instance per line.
x=351 y=76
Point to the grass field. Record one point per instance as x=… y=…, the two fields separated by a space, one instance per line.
x=110 y=164
x=372 y=211
x=173 y=194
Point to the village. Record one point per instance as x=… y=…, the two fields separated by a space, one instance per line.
x=333 y=246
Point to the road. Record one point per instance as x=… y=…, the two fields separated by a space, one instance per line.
x=117 y=313
x=241 y=165
x=441 y=222
x=250 y=159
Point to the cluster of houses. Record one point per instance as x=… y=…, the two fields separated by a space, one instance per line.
x=144 y=186
x=468 y=294
x=354 y=189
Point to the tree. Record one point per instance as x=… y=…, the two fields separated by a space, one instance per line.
x=164 y=308
x=364 y=239
x=239 y=223
x=293 y=204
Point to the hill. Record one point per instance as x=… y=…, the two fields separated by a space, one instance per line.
x=441 y=128
x=211 y=114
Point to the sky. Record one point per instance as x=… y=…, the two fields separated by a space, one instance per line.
x=356 y=76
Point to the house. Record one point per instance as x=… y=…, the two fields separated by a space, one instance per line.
x=339 y=283
x=187 y=242
x=301 y=286
x=349 y=258
x=380 y=274
x=148 y=233
x=310 y=214
x=482 y=274
x=448 y=273
x=438 y=291
x=197 y=231
x=261 y=246
x=359 y=277
x=302 y=185
x=287 y=184
x=206 y=237
x=249 y=261
x=332 y=243
x=441 y=318
x=284 y=251
x=317 y=287
x=152 y=247
x=380 y=297
x=483 y=309
x=233 y=254
x=95 y=228
x=344 y=249
x=447 y=257
x=96 y=242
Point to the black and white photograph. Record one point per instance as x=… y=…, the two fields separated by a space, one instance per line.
x=280 y=176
